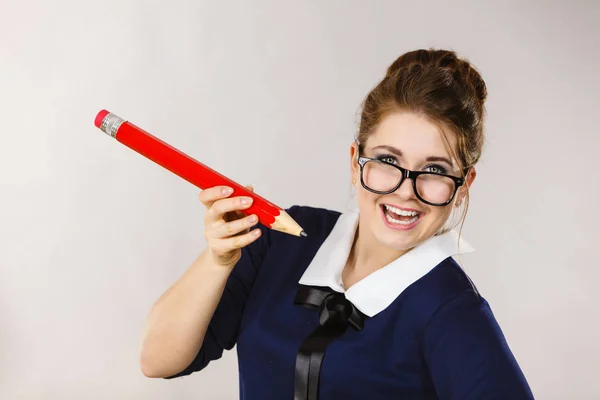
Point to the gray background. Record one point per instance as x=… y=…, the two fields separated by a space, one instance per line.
x=267 y=92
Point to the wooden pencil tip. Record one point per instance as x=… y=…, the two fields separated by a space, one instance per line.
x=285 y=223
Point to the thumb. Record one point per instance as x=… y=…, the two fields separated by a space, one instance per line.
x=250 y=188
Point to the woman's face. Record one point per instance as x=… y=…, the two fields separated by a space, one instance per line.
x=413 y=142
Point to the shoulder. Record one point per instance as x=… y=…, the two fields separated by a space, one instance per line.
x=456 y=295
x=451 y=303
x=317 y=222
x=446 y=283
x=313 y=215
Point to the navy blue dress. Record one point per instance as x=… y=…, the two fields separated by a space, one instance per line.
x=427 y=333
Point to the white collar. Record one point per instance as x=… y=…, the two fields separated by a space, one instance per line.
x=378 y=290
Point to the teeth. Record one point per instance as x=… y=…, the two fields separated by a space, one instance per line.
x=401 y=212
x=395 y=221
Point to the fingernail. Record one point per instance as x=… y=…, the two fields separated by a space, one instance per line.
x=256 y=232
x=246 y=200
x=253 y=218
x=227 y=190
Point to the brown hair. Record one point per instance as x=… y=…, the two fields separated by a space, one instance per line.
x=439 y=85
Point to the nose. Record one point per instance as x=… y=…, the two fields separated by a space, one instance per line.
x=406 y=190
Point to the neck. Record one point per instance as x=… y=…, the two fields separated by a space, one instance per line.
x=368 y=255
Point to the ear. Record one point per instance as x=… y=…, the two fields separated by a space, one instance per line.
x=471 y=177
x=354 y=167
x=462 y=192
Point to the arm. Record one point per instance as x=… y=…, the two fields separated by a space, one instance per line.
x=177 y=323
x=198 y=316
x=468 y=356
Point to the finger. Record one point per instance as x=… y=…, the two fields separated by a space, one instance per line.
x=224 y=246
x=210 y=195
x=237 y=214
x=233 y=216
x=233 y=228
x=221 y=207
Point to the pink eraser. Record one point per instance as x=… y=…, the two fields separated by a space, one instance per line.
x=100 y=118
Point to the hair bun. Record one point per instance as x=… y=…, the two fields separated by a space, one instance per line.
x=417 y=61
x=413 y=61
x=479 y=86
x=463 y=72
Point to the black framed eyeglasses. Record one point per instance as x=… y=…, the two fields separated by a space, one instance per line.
x=381 y=177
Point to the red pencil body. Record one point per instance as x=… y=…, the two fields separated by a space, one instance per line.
x=181 y=164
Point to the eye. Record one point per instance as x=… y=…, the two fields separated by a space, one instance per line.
x=386 y=158
x=437 y=169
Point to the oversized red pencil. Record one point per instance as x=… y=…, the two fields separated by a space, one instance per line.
x=193 y=171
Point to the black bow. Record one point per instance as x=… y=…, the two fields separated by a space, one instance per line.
x=336 y=313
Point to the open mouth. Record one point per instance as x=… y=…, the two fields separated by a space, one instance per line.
x=396 y=217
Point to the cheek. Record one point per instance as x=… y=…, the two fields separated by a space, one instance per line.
x=439 y=215
x=367 y=200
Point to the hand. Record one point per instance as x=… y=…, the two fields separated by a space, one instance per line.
x=227 y=229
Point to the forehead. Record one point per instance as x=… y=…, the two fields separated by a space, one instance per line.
x=414 y=134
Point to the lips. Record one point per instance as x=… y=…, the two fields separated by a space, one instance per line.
x=400 y=218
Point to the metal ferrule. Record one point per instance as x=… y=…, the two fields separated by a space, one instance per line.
x=111 y=124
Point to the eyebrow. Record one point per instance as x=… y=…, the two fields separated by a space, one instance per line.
x=398 y=152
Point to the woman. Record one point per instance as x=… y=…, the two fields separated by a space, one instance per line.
x=371 y=305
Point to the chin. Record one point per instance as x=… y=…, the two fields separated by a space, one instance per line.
x=394 y=240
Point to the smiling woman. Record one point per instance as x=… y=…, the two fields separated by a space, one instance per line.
x=371 y=304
